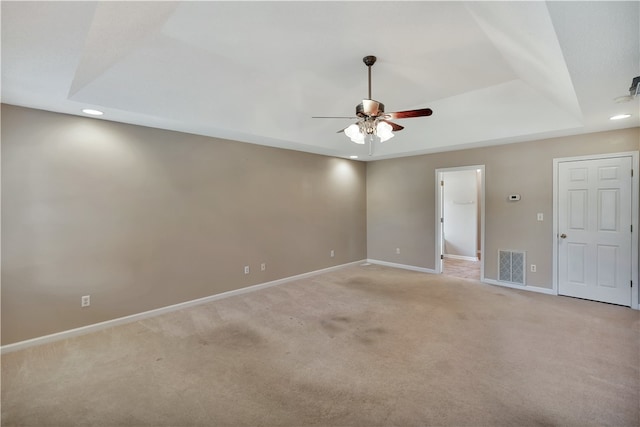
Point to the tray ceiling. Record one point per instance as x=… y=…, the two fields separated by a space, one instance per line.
x=256 y=72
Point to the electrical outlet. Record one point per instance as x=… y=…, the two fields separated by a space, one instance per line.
x=85 y=301
x=263 y=266
x=332 y=253
x=533 y=268
x=246 y=269
x=398 y=250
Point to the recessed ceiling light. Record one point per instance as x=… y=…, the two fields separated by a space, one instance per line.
x=92 y=112
x=353 y=157
x=620 y=116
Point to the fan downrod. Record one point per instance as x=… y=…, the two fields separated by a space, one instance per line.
x=369 y=61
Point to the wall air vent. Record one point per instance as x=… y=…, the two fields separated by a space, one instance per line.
x=511 y=267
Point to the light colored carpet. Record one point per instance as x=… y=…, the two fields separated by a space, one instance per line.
x=362 y=346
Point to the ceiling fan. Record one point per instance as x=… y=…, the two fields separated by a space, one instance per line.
x=372 y=120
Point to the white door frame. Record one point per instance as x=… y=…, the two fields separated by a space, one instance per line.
x=634 y=217
x=439 y=225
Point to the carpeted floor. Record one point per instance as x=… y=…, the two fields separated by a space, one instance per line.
x=361 y=346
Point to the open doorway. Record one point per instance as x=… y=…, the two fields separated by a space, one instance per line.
x=460 y=221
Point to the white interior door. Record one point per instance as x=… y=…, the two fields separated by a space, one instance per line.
x=594 y=229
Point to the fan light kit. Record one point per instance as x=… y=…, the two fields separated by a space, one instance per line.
x=372 y=120
x=357 y=131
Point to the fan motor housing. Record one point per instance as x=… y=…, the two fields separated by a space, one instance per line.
x=369 y=108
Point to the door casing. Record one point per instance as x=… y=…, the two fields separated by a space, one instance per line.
x=439 y=210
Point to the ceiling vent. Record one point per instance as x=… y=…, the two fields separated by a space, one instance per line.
x=635 y=86
x=634 y=90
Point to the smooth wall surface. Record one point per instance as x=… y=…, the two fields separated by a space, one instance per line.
x=401 y=199
x=142 y=218
x=460 y=213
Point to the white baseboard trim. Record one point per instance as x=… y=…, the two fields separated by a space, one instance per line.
x=522 y=288
x=466 y=258
x=162 y=310
x=485 y=281
x=403 y=266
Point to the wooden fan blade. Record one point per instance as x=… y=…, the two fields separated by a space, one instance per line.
x=410 y=113
x=394 y=126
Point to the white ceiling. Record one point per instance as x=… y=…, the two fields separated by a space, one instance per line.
x=493 y=72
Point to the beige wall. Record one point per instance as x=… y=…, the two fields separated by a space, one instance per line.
x=401 y=199
x=142 y=218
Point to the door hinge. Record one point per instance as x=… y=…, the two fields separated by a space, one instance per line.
x=632 y=228
x=632 y=172
x=441 y=256
x=632 y=283
x=442 y=183
x=442 y=220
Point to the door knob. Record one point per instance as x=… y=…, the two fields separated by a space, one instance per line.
x=563 y=236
